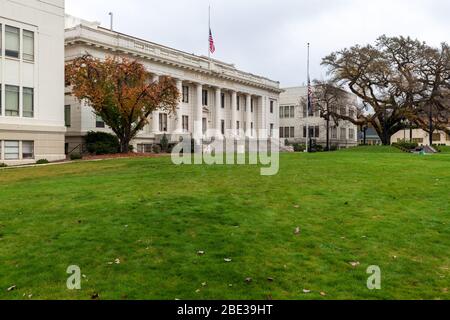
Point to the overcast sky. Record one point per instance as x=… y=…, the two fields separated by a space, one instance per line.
x=268 y=37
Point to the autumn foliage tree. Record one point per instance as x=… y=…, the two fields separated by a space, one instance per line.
x=121 y=92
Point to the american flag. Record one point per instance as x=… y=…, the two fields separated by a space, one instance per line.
x=310 y=97
x=212 y=47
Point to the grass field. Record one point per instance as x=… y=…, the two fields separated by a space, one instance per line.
x=375 y=206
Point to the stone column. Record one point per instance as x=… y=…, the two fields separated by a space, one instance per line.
x=178 y=117
x=198 y=112
x=234 y=112
x=155 y=114
x=249 y=116
x=218 y=122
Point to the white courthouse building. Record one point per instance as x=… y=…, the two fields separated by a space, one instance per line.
x=294 y=121
x=31 y=81
x=214 y=95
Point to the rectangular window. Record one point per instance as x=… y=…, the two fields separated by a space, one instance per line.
x=292 y=115
x=287 y=132
x=67 y=116
x=238 y=124
x=436 y=137
x=204 y=125
x=28 y=103
x=351 y=134
x=163 y=122
x=271 y=129
x=185 y=94
x=343 y=134
x=223 y=100
x=286 y=112
x=11 y=150
x=12 y=101
x=185 y=124
x=251 y=105
x=304 y=132
x=99 y=123
x=333 y=133
x=12 y=42
x=1 y=44
x=222 y=126
x=281 y=112
x=305 y=108
x=28 y=45
x=205 y=97
x=292 y=132
x=27 y=150
x=238 y=103
x=281 y=132
x=251 y=125
x=271 y=106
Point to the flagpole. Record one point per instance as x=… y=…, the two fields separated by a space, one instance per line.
x=308 y=102
x=209 y=34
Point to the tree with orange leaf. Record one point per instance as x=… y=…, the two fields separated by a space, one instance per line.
x=121 y=92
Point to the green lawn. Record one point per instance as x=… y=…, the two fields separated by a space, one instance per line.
x=375 y=206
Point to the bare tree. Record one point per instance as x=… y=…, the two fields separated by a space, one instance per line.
x=397 y=78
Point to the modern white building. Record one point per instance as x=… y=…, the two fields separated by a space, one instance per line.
x=214 y=95
x=31 y=81
x=294 y=121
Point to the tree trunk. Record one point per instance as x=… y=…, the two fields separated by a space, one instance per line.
x=124 y=144
x=431 y=127
x=328 y=134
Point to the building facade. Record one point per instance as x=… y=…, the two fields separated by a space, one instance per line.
x=421 y=137
x=31 y=81
x=214 y=95
x=294 y=121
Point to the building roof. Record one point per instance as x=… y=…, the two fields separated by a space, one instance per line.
x=91 y=33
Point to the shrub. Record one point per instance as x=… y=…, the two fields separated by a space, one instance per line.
x=404 y=145
x=75 y=156
x=333 y=148
x=156 y=148
x=42 y=161
x=299 y=147
x=102 y=143
x=3 y=165
x=318 y=148
x=164 y=143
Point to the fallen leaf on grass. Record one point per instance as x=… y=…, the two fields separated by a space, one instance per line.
x=95 y=296
x=270 y=279
x=323 y=294
x=355 y=264
x=306 y=291
x=201 y=253
x=14 y=287
x=227 y=260
x=248 y=280
x=297 y=231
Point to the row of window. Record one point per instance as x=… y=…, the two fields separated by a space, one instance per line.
x=289 y=112
x=16 y=150
x=12 y=43
x=314 y=132
x=12 y=101
x=205 y=102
